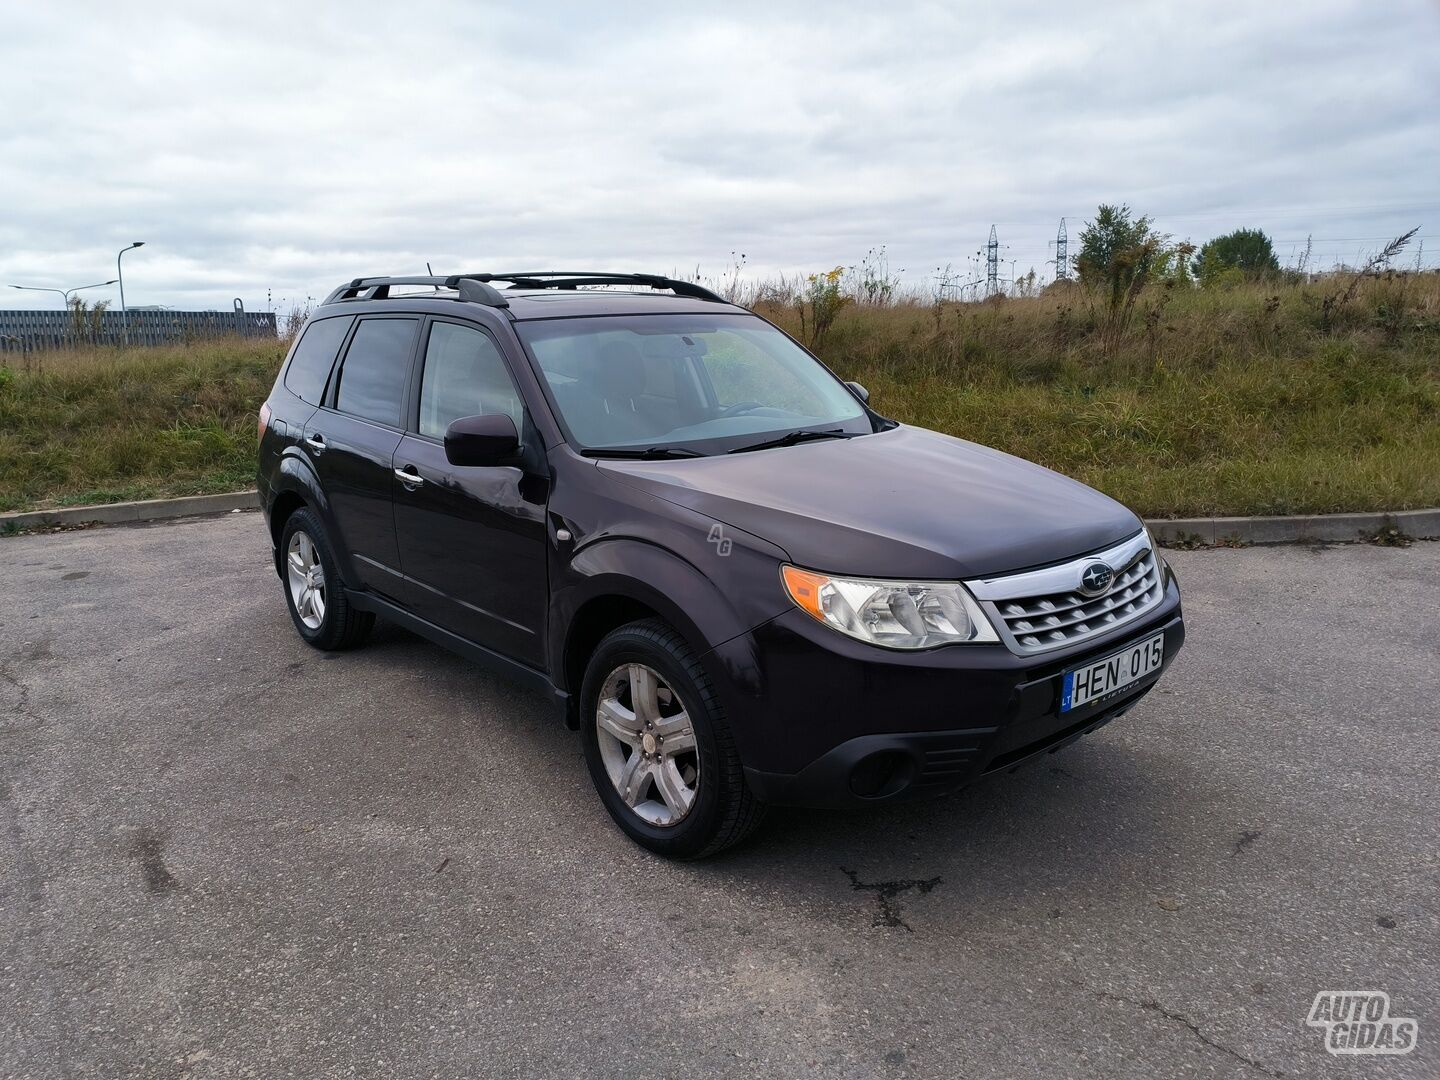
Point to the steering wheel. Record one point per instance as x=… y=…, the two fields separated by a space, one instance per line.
x=739 y=407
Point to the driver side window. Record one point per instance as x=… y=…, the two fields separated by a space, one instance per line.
x=464 y=375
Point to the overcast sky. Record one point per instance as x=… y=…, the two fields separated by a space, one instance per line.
x=288 y=147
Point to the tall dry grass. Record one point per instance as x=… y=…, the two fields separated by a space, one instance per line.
x=1255 y=400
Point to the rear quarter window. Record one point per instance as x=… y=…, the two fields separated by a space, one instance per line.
x=313 y=358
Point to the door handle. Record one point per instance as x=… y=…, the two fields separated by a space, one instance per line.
x=316 y=443
x=408 y=477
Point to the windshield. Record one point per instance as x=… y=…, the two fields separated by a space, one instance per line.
x=702 y=383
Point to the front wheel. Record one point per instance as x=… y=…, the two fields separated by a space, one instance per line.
x=659 y=750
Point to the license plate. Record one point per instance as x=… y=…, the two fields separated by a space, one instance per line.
x=1094 y=682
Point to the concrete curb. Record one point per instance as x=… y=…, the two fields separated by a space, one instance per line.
x=125 y=512
x=1418 y=524
x=1343 y=528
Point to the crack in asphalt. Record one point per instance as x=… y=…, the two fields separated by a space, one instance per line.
x=1181 y=1018
x=1246 y=838
x=11 y=678
x=888 y=913
x=147 y=847
x=28 y=940
x=21 y=709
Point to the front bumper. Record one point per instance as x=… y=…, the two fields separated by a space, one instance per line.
x=824 y=720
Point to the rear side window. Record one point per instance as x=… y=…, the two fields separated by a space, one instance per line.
x=464 y=376
x=309 y=368
x=375 y=370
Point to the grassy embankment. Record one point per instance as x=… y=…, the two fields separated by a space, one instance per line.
x=106 y=425
x=1255 y=400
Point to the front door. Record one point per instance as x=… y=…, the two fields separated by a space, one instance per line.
x=472 y=540
x=352 y=441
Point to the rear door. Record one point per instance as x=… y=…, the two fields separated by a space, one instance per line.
x=472 y=540
x=352 y=440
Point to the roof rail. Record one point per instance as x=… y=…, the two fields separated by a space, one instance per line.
x=573 y=279
x=378 y=288
x=476 y=288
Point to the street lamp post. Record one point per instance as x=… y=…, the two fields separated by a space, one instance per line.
x=65 y=294
x=120 y=277
x=36 y=288
x=82 y=288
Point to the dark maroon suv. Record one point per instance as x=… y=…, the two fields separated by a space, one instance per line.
x=740 y=583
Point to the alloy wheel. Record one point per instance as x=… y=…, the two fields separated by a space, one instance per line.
x=306 y=576
x=647 y=743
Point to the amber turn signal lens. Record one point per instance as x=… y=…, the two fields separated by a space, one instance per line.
x=804 y=588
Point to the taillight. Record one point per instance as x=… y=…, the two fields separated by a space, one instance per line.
x=264 y=418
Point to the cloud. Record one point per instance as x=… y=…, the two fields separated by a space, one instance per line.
x=288 y=147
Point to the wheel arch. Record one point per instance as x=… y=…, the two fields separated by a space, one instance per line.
x=623 y=581
x=596 y=618
x=297 y=487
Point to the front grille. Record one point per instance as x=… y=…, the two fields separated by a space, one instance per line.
x=1045 y=609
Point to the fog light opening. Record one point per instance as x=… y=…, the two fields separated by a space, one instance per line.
x=882 y=774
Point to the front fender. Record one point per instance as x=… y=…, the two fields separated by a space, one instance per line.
x=706 y=614
x=659 y=579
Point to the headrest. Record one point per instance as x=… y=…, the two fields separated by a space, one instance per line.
x=622 y=371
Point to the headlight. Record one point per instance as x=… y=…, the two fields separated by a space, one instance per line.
x=895 y=614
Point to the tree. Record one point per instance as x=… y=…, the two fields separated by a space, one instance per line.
x=1121 y=254
x=1246 y=250
x=1114 y=247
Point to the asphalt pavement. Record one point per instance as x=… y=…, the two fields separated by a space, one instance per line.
x=224 y=854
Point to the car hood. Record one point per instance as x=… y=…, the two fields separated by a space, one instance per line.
x=903 y=503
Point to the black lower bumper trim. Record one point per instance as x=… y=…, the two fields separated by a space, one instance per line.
x=943 y=761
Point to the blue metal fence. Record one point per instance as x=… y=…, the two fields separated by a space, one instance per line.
x=26 y=331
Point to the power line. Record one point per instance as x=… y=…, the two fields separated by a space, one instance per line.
x=1251 y=212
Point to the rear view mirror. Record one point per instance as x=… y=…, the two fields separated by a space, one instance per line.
x=860 y=391
x=482 y=440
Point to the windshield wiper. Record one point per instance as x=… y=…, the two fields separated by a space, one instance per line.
x=653 y=453
x=793 y=437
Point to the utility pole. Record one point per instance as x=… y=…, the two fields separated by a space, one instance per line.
x=992 y=264
x=1062 y=261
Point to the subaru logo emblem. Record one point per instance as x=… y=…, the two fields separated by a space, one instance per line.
x=1096 y=578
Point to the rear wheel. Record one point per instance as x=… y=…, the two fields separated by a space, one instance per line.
x=322 y=614
x=658 y=747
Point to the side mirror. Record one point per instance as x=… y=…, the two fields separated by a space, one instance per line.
x=482 y=440
x=860 y=391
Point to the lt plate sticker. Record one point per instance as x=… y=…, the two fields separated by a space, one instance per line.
x=1104 y=677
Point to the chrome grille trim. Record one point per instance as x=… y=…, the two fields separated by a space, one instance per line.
x=1046 y=609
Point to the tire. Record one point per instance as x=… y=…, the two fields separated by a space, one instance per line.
x=701 y=760
x=322 y=615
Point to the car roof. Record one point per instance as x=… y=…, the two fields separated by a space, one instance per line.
x=527 y=306
x=539 y=295
x=550 y=303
